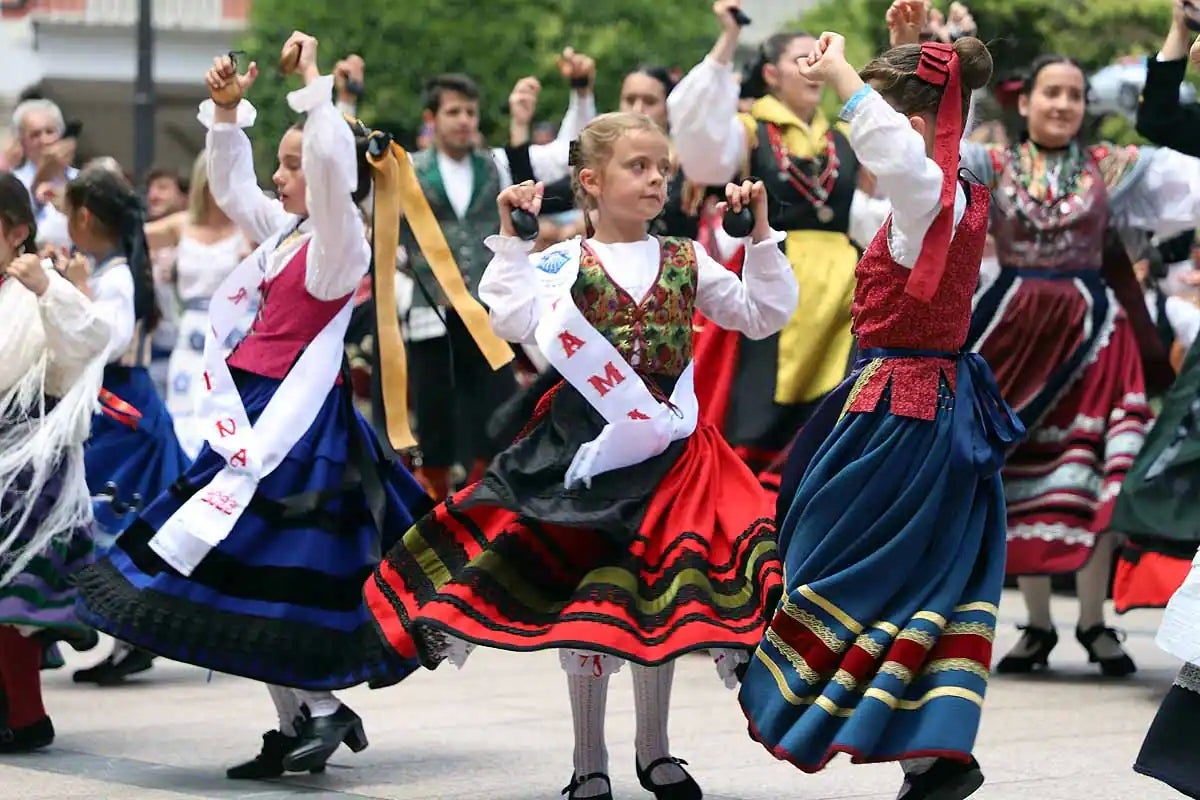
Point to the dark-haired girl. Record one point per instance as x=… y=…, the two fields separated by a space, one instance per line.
x=253 y=563
x=133 y=442
x=1063 y=344
x=811 y=174
x=893 y=542
x=51 y=367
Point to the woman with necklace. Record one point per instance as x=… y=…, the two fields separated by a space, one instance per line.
x=811 y=176
x=1063 y=348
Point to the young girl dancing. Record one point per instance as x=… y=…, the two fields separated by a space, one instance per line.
x=253 y=563
x=894 y=542
x=133 y=442
x=50 y=372
x=617 y=527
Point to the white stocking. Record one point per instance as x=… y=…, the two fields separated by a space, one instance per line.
x=589 y=697
x=652 y=702
x=320 y=704
x=287 y=706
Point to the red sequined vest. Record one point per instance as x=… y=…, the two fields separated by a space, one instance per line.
x=654 y=336
x=885 y=316
x=288 y=319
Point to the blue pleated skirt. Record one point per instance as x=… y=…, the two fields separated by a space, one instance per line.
x=141 y=461
x=894 y=564
x=280 y=599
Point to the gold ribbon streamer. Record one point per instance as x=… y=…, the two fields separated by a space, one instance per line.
x=397 y=191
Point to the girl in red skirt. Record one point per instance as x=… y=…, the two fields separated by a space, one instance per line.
x=617 y=527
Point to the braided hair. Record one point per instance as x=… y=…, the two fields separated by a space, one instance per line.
x=120 y=216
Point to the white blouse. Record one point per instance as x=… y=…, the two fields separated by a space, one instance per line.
x=758 y=304
x=338 y=253
x=111 y=287
x=710 y=140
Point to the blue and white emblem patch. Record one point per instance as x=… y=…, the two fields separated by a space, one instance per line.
x=552 y=261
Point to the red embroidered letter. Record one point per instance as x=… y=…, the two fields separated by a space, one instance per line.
x=240 y=296
x=635 y=414
x=207 y=381
x=226 y=427
x=238 y=459
x=220 y=501
x=604 y=383
x=571 y=343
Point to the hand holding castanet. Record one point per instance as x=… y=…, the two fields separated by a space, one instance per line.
x=225 y=86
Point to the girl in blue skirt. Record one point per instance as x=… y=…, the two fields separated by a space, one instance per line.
x=133 y=445
x=253 y=563
x=894 y=531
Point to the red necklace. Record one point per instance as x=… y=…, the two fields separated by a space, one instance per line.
x=816 y=185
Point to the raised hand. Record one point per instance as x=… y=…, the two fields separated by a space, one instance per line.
x=225 y=85
x=577 y=68
x=349 y=76
x=752 y=195
x=522 y=103
x=525 y=196
x=723 y=9
x=906 y=19
x=306 y=62
x=826 y=59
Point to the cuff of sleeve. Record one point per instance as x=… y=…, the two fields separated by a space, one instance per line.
x=246 y=115
x=771 y=241
x=504 y=245
x=316 y=93
x=54 y=291
x=856 y=102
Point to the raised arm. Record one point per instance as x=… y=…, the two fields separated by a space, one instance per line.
x=165 y=232
x=231 y=175
x=710 y=141
x=1161 y=117
x=338 y=255
x=1159 y=192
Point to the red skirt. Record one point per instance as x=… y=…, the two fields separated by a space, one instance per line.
x=1062 y=482
x=701 y=571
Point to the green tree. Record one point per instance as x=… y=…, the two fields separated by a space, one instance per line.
x=495 y=41
x=1094 y=32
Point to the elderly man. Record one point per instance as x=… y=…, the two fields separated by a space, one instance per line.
x=39 y=126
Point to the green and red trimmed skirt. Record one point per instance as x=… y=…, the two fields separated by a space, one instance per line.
x=653 y=561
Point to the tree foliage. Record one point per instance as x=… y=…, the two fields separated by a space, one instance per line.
x=1094 y=32
x=495 y=41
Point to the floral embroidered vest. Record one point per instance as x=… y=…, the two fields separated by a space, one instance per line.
x=654 y=336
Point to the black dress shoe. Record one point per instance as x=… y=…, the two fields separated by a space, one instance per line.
x=945 y=780
x=579 y=780
x=24 y=740
x=320 y=737
x=111 y=672
x=269 y=762
x=1035 y=644
x=1117 y=667
x=686 y=789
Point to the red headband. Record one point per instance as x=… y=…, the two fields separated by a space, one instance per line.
x=939 y=66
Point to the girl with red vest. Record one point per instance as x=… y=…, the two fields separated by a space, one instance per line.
x=253 y=563
x=893 y=541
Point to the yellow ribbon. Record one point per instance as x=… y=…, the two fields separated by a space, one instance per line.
x=397 y=192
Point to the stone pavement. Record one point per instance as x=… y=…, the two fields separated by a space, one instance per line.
x=500 y=730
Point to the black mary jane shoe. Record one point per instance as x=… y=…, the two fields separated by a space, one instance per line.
x=1036 y=644
x=28 y=738
x=579 y=780
x=111 y=672
x=269 y=762
x=686 y=789
x=320 y=737
x=947 y=779
x=1118 y=667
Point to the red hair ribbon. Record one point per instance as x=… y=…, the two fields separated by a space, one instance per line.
x=939 y=66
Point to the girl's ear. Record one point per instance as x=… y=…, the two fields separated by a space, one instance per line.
x=770 y=74
x=589 y=179
x=16 y=236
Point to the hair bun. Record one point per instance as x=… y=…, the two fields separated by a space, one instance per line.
x=975 y=62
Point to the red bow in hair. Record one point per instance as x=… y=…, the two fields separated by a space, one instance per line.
x=939 y=66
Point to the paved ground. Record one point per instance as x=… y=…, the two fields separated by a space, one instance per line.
x=500 y=730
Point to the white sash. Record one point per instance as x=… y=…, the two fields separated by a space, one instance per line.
x=250 y=452
x=639 y=426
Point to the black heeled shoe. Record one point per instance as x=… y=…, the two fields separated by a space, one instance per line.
x=686 y=789
x=269 y=762
x=1118 y=667
x=28 y=738
x=320 y=737
x=945 y=780
x=580 y=780
x=1036 y=643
